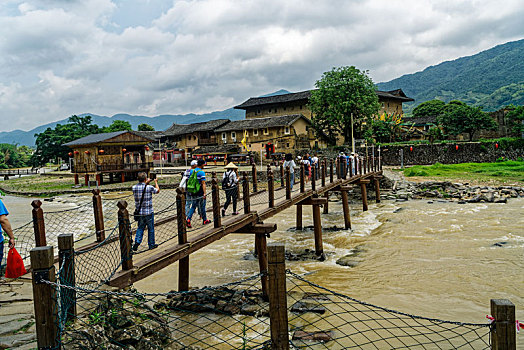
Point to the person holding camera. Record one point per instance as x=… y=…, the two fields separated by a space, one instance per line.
x=143 y=193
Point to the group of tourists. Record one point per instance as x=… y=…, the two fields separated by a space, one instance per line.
x=307 y=161
x=352 y=160
x=194 y=183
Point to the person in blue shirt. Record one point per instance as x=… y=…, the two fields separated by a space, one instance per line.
x=198 y=199
x=5 y=227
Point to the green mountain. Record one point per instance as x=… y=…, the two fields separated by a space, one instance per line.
x=491 y=79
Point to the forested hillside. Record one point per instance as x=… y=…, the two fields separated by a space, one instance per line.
x=491 y=79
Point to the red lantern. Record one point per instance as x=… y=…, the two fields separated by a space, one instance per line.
x=411 y=148
x=147 y=148
x=497 y=145
x=124 y=150
x=101 y=151
x=87 y=152
x=70 y=154
x=457 y=147
x=76 y=152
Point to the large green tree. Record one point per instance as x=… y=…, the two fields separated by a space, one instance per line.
x=145 y=127
x=340 y=93
x=118 y=125
x=458 y=118
x=49 y=143
x=431 y=108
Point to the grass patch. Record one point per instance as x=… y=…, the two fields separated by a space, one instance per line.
x=501 y=172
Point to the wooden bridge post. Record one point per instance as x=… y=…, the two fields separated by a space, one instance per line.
x=326 y=206
x=261 y=249
x=183 y=264
x=302 y=178
x=99 y=216
x=360 y=166
x=38 y=223
x=299 y=217
x=282 y=184
x=124 y=230
x=66 y=257
x=245 y=193
x=313 y=177
x=317 y=225
x=323 y=172
x=278 y=296
x=288 y=183
x=345 y=208
x=254 y=176
x=363 y=190
x=374 y=165
x=376 y=180
x=364 y=165
x=217 y=219
x=503 y=333
x=338 y=167
x=331 y=170
x=270 y=187
x=44 y=297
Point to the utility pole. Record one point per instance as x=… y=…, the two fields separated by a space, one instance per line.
x=352 y=135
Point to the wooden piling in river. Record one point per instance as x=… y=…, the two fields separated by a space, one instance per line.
x=345 y=206
x=364 y=194
x=317 y=225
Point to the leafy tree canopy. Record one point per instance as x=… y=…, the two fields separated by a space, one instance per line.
x=457 y=118
x=49 y=143
x=12 y=156
x=430 y=108
x=342 y=92
x=145 y=127
x=118 y=125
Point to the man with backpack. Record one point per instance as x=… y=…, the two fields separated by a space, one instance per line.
x=230 y=185
x=196 y=192
x=183 y=184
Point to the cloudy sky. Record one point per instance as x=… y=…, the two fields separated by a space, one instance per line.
x=151 y=57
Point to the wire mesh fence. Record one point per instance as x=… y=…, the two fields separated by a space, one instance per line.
x=237 y=316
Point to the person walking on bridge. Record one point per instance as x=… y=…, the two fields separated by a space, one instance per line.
x=143 y=193
x=5 y=225
x=230 y=186
x=196 y=193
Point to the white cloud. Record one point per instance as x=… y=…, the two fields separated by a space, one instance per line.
x=63 y=57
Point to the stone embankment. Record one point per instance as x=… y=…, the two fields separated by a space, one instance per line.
x=459 y=192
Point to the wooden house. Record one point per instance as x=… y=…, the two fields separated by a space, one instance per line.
x=297 y=103
x=188 y=137
x=120 y=153
x=285 y=133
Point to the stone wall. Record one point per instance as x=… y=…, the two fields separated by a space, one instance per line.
x=469 y=152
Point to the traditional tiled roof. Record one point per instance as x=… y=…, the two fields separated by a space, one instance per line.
x=397 y=94
x=181 y=129
x=261 y=123
x=97 y=138
x=152 y=134
x=304 y=96
x=257 y=101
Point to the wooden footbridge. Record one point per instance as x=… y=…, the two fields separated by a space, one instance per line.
x=260 y=198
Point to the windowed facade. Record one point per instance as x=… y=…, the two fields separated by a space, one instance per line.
x=286 y=130
x=255 y=132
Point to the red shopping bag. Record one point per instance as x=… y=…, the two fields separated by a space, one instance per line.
x=15 y=265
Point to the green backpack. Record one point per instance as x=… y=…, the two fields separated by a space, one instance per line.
x=193 y=185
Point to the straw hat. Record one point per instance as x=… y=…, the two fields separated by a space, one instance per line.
x=231 y=165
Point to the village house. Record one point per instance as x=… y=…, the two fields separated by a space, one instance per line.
x=119 y=153
x=284 y=132
x=293 y=103
x=188 y=137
